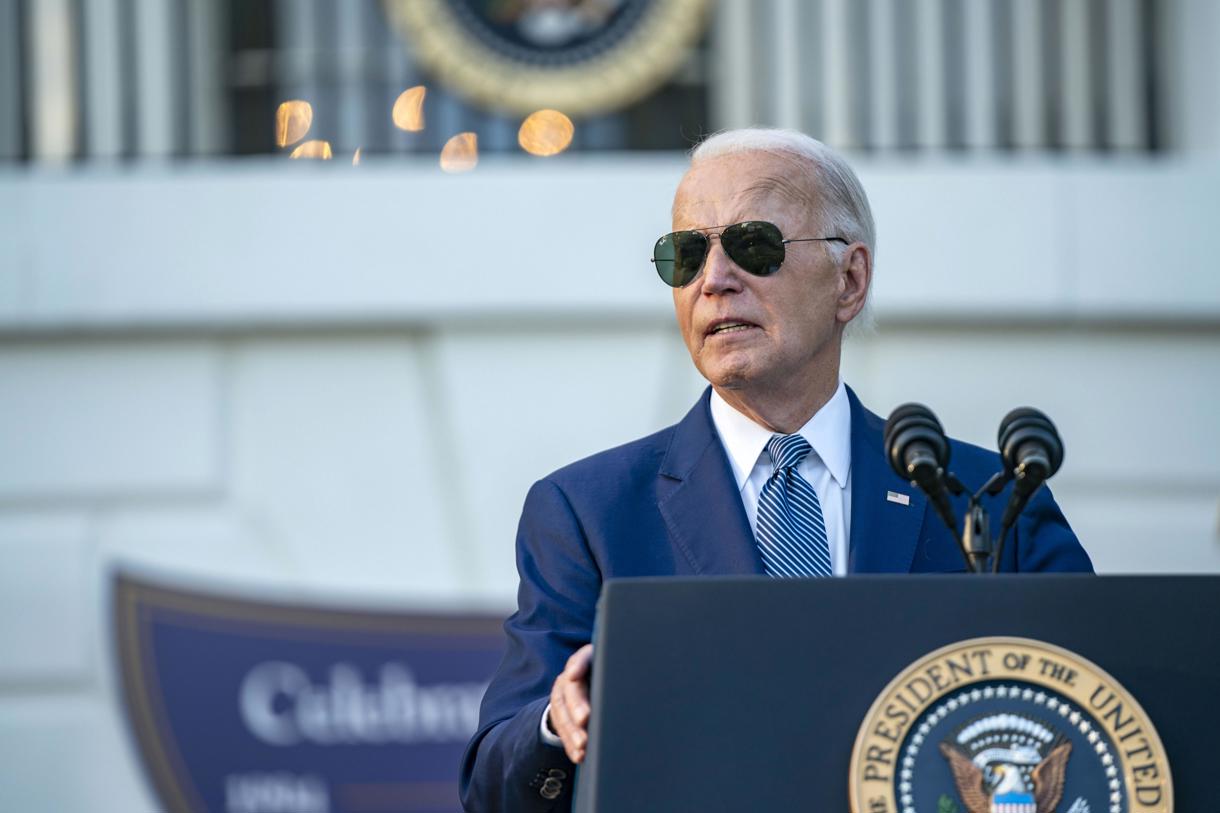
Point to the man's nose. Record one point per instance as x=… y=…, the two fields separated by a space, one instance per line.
x=720 y=273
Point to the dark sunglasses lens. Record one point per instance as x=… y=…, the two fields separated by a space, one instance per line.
x=756 y=246
x=679 y=256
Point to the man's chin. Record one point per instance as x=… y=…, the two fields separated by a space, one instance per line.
x=729 y=377
x=734 y=368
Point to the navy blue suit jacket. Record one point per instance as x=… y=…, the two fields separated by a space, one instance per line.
x=668 y=504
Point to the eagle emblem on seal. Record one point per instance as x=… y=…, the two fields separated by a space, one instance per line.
x=1008 y=763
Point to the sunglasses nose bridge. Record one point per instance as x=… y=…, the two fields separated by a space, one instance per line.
x=719 y=270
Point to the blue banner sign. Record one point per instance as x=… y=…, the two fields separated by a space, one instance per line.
x=245 y=706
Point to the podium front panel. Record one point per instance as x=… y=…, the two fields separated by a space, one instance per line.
x=744 y=694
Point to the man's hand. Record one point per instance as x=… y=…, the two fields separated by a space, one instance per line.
x=570 y=703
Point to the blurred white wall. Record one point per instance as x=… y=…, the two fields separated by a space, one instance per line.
x=341 y=381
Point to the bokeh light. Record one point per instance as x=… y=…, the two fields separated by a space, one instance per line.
x=408 y=112
x=313 y=149
x=356 y=158
x=292 y=122
x=460 y=153
x=545 y=132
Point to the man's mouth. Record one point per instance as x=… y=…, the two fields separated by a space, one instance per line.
x=729 y=327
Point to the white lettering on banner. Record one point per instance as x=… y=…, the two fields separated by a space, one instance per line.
x=275 y=793
x=281 y=706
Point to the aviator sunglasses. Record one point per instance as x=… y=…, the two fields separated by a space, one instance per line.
x=755 y=245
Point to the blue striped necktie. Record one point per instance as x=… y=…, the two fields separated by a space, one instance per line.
x=790 y=531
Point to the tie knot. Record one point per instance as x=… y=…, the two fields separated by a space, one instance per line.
x=787 y=450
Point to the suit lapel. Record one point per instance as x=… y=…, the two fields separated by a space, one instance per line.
x=884 y=533
x=700 y=502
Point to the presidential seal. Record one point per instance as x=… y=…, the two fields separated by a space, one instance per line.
x=577 y=56
x=1007 y=725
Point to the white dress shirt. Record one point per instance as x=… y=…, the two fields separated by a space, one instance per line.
x=827 y=468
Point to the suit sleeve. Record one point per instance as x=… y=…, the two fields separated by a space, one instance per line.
x=1044 y=542
x=506 y=765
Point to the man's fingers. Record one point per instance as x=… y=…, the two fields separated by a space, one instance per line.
x=576 y=689
x=574 y=700
x=578 y=664
x=571 y=734
x=570 y=703
x=561 y=720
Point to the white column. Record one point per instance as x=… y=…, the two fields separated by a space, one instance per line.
x=53 y=96
x=786 y=34
x=1190 y=31
x=298 y=21
x=979 y=81
x=733 y=65
x=205 y=27
x=1076 y=98
x=1125 y=75
x=838 y=90
x=930 y=60
x=351 y=48
x=103 y=79
x=155 y=79
x=883 y=92
x=396 y=64
x=1028 y=113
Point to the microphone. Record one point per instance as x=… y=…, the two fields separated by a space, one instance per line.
x=1032 y=452
x=918 y=451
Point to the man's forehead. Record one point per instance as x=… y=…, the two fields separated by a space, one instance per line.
x=738 y=193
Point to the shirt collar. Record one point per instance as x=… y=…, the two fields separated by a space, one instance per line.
x=828 y=432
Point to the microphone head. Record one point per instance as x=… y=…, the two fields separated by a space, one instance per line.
x=912 y=424
x=1024 y=433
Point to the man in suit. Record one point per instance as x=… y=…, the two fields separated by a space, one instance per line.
x=777 y=470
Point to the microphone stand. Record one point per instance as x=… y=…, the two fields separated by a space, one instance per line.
x=981 y=554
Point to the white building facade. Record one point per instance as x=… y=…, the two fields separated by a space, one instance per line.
x=325 y=380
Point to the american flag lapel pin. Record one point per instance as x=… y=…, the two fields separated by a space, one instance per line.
x=901 y=499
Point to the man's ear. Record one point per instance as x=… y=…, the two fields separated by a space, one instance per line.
x=855 y=277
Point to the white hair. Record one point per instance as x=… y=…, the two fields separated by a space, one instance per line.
x=841 y=200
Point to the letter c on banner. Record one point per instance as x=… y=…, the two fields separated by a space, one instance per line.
x=263 y=685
